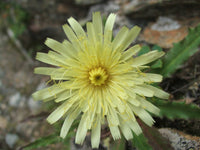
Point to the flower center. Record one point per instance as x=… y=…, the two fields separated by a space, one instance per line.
x=98 y=76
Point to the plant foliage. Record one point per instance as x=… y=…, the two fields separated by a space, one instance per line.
x=179 y=110
x=13 y=16
x=141 y=142
x=43 y=142
x=180 y=52
x=118 y=144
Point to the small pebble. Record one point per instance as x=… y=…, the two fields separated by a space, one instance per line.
x=165 y=24
x=3 y=122
x=179 y=140
x=17 y=100
x=11 y=139
x=34 y=105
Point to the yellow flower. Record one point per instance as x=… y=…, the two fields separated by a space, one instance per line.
x=98 y=79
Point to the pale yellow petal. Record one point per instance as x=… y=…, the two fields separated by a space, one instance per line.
x=137 y=81
x=133 y=101
x=133 y=33
x=134 y=127
x=118 y=89
x=115 y=132
x=104 y=103
x=130 y=52
x=64 y=96
x=43 y=57
x=68 y=122
x=77 y=28
x=96 y=131
x=44 y=70
x=77 y=84
x=108 y=28
x=146 y=58
x=50 y=92
x=59 y=112
x=98 y=27
x=151 y=77
x=143 y=91
x=98 y=99
x=71 y=51
x=157 y=92
x=112 y=117
x=82 y=130
x=72 y=37
x=125 y=130
x=114 y=59
x=58 y=47
x=130 y=93
x=65 y=74
x=127 y=80
x=120 y=69
x=119 y=38
x=143 y=115
x=128 y=118
x=73 y=62
x=106 y=54
x=128 y=114
x=90 y=113
x=91 y=34
x=60 y=77
x=148 y=106
x=86 y=95
x=59 y=58
x=117 y=100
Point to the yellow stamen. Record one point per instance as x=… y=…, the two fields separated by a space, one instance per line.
x=98 y=76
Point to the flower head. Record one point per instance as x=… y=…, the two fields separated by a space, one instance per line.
x=98 y=79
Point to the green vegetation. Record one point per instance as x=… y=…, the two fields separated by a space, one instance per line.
x=14 y=17
x=181 y=51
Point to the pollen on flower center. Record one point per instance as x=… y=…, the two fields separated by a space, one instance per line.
x=98 y=76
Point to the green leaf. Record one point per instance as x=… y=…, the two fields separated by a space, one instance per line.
x=144 y=50
x=118 y=144
x=54 y=138
x=42 y=142
x=66 y=141
x=157 y=64
x=156 y=47
x=181 y=110
x=181 y=52
x=140 y=142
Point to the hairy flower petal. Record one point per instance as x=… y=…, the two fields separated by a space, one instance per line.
x=96 y=130
x=146 y=58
